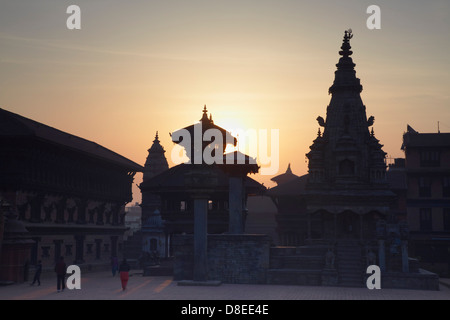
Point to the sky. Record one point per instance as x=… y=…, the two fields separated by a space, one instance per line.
x=137 y=67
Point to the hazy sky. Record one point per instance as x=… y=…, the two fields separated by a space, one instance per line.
x=137 y=67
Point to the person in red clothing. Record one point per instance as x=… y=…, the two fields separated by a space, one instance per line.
x=124 y=269
x=60 y=269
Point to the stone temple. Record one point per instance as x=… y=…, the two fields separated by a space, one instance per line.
x=341 y=209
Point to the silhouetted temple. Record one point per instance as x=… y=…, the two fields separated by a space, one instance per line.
x=344 y=202
x=285 y=177
x=345 y=192
x=177 y=202
x=154 y=237
x=69 y=193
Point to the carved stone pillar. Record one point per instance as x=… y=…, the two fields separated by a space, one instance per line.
x=36 y=206
x=100 y=212
x=81 y=210
x=60 y=210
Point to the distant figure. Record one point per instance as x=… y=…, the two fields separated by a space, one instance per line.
x=60 y=269
x=37 y=273
x=329 y=259
x=124 y=269
x=114 y=265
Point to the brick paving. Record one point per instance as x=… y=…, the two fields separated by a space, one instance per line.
x=102 y=286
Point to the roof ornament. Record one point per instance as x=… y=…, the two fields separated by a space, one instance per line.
x=346 y=52
x=321 y=121
x=205 y=114
x=288 y=170
x=348 y=34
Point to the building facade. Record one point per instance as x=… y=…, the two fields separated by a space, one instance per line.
x=68 y=192
x=427 y=164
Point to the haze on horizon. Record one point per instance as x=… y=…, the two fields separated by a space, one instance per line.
x=137 y=67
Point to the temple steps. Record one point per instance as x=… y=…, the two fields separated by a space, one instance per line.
x=296 y=265
x=349 y=264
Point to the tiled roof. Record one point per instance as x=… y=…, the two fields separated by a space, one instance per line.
x=14 y=125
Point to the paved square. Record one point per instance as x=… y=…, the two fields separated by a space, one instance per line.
x=103 y=286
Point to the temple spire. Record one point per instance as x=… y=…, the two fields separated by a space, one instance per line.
x=288 y=170
x=345 y=75
x=205 y=114
x=346 y=52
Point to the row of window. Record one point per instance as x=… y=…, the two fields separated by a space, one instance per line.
x=426 y=219
x=430 y=158
x=77 y=249
x=212 y=205
x=425 y=186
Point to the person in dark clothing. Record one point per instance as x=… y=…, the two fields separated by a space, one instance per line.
x=60 y=269
x=114 y=265
x=124 y=269
x=37 y=274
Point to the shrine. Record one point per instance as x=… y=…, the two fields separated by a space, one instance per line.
x=201 y=199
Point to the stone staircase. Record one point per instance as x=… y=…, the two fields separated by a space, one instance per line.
x=296 y=265
x=349 y=263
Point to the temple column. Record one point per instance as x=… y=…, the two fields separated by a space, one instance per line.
x=360 y=227
x=235 y=205
x=200 y=239
x=36 y=204
x=114 y=240
x=199 y=181
x=79 y=248
x=381 y=255
x=405 y=262
x=335 y=226
x=81 y=211
x=308 y=217
x=100 y=211
x=60 y=208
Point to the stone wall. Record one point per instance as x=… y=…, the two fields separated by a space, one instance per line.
x=423 y=280
x=231 y=258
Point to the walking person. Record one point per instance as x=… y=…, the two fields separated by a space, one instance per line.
x=124 y=269
x=114 y=265
x=37 y=273
x=60 y=269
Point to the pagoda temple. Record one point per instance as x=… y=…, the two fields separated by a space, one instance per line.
x=171 y=186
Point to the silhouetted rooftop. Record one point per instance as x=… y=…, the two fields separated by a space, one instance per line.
x=426 y=139
x=285 y=177
x=294 y=187
x=14 y=125
x=173 y=180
